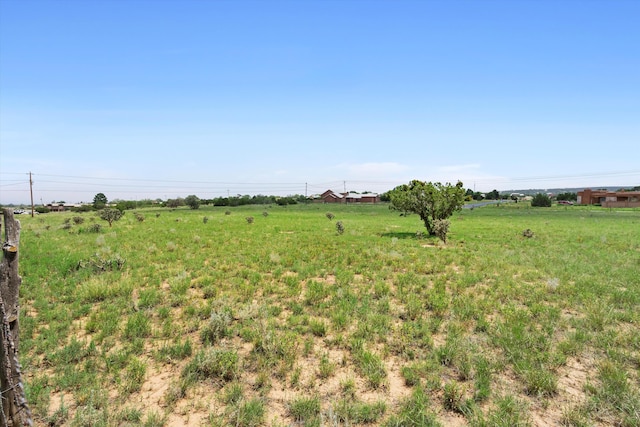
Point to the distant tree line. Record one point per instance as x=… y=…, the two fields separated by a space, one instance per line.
x=240 y=200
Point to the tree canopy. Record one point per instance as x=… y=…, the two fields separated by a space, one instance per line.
x=431 y=201
x=99 y=201
x=111 y=215
x=192 y=201
x=541 y=200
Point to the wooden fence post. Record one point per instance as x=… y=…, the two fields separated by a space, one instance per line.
x=15 y=410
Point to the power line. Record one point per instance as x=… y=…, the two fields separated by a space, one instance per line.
x=83 y=185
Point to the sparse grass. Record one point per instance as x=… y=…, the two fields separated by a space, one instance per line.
x=415 y=411
x=353 y=412
x=173 y=352
x=230 y=313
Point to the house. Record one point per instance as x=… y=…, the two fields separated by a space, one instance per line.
x=62 y=207
x=609 y=199
x=330 y=196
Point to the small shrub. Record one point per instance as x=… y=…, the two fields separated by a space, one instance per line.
x=205 y=219
x=330 y=216
x=78 y=220
x=94 y=228
x=217 y=328
x=339 y=227
x=139 y=217
x=227 y=212
x=527 y=233
x=265 y=214
x=249 y=220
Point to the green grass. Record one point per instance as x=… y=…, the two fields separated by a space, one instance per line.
x=233 y=313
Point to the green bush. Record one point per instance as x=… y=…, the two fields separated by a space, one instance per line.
x=541 y=200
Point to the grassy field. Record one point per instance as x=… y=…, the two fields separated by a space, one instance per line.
x=199 y=317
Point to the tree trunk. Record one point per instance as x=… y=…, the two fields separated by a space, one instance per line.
x=15 y=410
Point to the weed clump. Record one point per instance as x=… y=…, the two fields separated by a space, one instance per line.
x=359 y=412
x=101 y=263
x=249 y=220
x=330 y=216
x=94 y=228
x=305 y=409
x=217 y=328
x=212 y=363
x=453 y=397
x=139 y=217
x=527 y=233
x=339 y=227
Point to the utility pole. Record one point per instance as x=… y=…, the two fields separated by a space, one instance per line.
x=344 y=185
x=31 y=191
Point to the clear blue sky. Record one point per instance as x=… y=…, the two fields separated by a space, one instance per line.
x=166 y=98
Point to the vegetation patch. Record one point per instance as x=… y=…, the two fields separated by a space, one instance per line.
x=286 y=321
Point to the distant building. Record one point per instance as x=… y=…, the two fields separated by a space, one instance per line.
x=609 y=199
x=61 y=207
x=331 y=197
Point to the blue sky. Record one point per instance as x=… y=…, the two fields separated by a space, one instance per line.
x=166 y=98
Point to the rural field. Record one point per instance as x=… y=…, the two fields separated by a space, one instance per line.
x=204 y=318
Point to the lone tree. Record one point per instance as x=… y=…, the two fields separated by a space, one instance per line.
x=99 y=201
x=430 y=201
x=192 y=201
x=111 y=215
